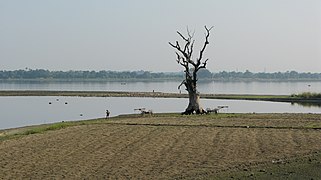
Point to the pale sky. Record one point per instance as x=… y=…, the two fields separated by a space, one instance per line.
x=255 y=35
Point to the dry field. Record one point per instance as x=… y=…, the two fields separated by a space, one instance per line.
x=162 y=147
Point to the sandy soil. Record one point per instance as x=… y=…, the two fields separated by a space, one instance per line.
x=158 y=147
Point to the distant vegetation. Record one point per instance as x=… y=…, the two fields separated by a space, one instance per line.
x=203 y=74
x=307 y=95
x=247 y=75
x=46 y=74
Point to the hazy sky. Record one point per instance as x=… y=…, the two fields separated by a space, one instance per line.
x=258 y=35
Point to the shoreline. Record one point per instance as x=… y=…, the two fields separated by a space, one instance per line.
x=251 y=97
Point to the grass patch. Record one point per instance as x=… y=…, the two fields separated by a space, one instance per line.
x=31 y=131
x=313 y=126
x=24 y=131
x=307 y=95
x=50 y=127
x=306 y=167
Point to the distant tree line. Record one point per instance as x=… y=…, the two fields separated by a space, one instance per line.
x=288 y=75
x=46 y=74
x=147 y=75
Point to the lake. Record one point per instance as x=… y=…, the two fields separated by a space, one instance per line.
x=23 y=111
x=277 y=88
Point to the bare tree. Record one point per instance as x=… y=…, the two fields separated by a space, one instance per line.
x=191 y=67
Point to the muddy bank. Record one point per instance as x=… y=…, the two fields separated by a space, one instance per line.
x=274 y=98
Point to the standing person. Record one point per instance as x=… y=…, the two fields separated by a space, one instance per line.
x=107 y=113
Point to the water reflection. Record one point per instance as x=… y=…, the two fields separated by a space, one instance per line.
x=308 y=104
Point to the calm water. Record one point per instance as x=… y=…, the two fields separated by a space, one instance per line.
x=22 y=111
x=278 y=88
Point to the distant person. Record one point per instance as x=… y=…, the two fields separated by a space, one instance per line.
x=107 y=113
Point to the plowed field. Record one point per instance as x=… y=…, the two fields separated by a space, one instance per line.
x=160 y=147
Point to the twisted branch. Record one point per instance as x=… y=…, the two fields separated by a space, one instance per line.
x=184 y=56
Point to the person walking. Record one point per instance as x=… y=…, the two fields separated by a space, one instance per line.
x=107 y=113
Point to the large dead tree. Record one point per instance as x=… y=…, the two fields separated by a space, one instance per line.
x=184 y=55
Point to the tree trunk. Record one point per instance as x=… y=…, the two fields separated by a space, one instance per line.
x=184 y=58
x=194 y=101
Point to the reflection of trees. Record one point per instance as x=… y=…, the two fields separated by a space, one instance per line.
x=308 y=104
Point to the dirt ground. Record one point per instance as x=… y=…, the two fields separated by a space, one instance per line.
x=162 y=147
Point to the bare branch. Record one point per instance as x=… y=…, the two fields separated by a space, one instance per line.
x=203 y=65
x=208 y=30
x=184 y=57
x=182 y=36
x=177 y=46
x=192 y=62
x=191 y=49
x=181 y=60
x=186 y=46
x=183 y=82
x=189 y=33
x=205 y=44
x=172 y=45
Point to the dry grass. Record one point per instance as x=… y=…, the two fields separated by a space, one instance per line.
x=160 y=147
